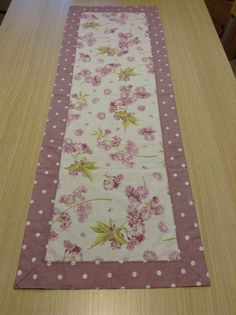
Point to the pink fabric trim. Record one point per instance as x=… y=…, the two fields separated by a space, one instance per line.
x=33 y=270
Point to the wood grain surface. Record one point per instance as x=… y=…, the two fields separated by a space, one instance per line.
x=205 y=92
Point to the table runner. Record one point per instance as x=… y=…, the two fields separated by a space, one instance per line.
x=112 y=205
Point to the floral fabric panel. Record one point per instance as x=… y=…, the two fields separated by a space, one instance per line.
x=112 y=201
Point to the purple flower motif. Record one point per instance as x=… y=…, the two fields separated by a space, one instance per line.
x=112 y=182
x=149 y=255
x=105 y=145
x=148 y=133
x=53 y=235
x=157 y=176
x=101 y=115
x=72 y=250
x=156 y=207
x=163 y=227
x=115 y=141
x=78 y=132
x=174 y=255
x=72 y=117
x=141 y=108
x=107 y=91
x=83 y=210
x=145 y=213
x=69 y=146
x=136 y=195
x=141 y=93
x=131 y=148
x=96 y=80
x=85 y=57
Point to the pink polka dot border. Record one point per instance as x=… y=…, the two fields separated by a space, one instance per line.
x=33 y=271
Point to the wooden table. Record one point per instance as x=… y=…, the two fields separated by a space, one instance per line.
x=205 y=89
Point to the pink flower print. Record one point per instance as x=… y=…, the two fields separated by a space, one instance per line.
x=81 y=106
x=53 y=235
x=148 y=133
x=101 y=115
x=145 y=213
x=157 y=176
x=67 y=199
x=100 y=60
x=86 y=149
x=130 y=59
x=133 y=216
x=83 y=210
x=150 y=67
x=136 y=195
x=110 y=30
x=163 y=227
x=112 y=182
x=104 y=145
x=174 y=255
x=95 y=100
x=79 y=45
x=128 y=162
x=73 y=250
x=72 y=117
x=83 y=74
x=85 y=57
x=141 y=108
x=107 y=131
x=113 y=107
x=79 y=191
x=64 y=220
x=141 y=93
x=156 y=207
x=118 y=156
x=78 y=132
x=107 y=91
x=96 y=80
x=69 y=146
x=131 y=148
x=115 y=141
x=149 y=255
x=134 y=241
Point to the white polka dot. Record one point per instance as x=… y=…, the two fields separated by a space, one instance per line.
x=27 y=222
x=148 y=286
x=187 y=237
x=33 y=259
x=59 y=277
x=46 y=172
x=51 y=140
x=192 y=263
x=175 y=120
x=44 y=191
x=182 y=214
x=57 y=164
x=208 y=275
x=163 y=102
x=54 y=126
x=85 y=276
x=59 y=101
x=134 y=274
x=165 y=115
x=179 y=149
x=31 y=201
x=172 y=158
x=175 y=174
x=190 y=203
x=158 y=272
x=49 y=156
x=19 y=273
x=183 y=271
x=40 y=211
x=178 y=193
x=49 y=263
x=35 y=276
x=198 y=283
x=183 y=165
x=122 y=287
x=37 y=234
x=177 y=134
x=73 y=262
x=56 y=114
x=55 y=181
x=121 y=261
x=201 y=248
x=186 y=183
x=167 y=128
x=195 y=224
x=173 y=285
x=35 y=182
x=109 y=275
x=24 y=246
x=169 y=142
